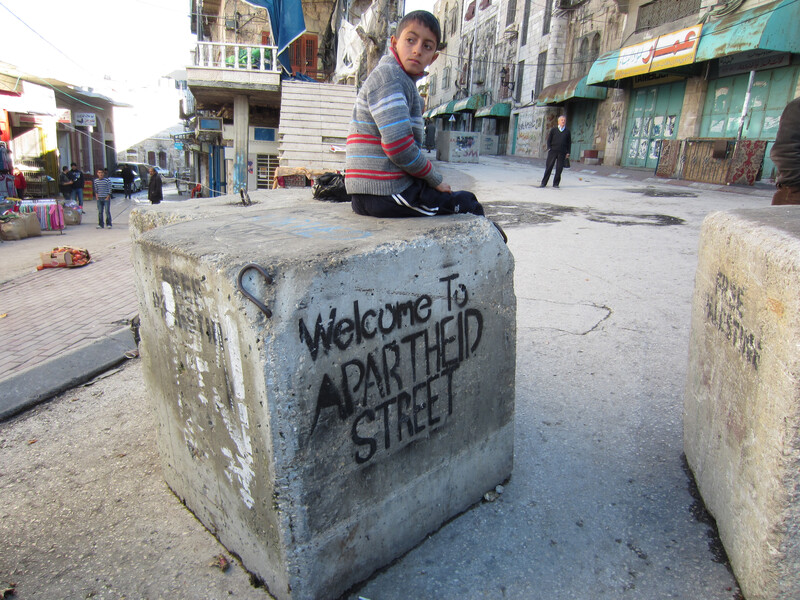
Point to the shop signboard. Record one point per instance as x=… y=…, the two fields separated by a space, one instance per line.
x=669 y=50
x=64 y=115
x=754 y=60
x=85 y=119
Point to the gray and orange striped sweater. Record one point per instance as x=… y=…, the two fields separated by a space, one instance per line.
x=384 y=142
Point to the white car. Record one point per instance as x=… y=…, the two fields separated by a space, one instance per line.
x=117 y=184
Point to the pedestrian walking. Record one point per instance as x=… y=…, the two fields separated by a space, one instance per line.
x=786 y=155
x=127 y=180
x=76 y=175
x=20 y=183
x=65 y=183
x=559 y=141
x=154 y=192
x=102 y=194
x=430 y=135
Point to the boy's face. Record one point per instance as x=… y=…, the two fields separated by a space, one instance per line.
x=100 y=173
x=416 y=47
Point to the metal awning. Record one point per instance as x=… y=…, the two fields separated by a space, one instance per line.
x=471 y=103
x=501 y=109
x=443 y=109
x=770 y=27
x=603 y=69
x=572 y=88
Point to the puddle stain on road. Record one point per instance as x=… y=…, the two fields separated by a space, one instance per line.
x=513 y=214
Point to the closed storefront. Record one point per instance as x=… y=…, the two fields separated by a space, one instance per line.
x=771 y=91
x=653 y=116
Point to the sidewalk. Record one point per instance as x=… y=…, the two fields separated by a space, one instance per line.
x=61 y=327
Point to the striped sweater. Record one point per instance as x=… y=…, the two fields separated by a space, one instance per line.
x=102 y=188
x=385 y=138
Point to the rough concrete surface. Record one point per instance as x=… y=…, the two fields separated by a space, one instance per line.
x=742 y=408
x=599 y=504
x=323 y=456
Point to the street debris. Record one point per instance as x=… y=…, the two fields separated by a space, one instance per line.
x=7 y=589
x=220 y=562
x=494 y=494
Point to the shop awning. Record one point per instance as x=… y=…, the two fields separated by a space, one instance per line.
x=770 y=26
x=573 y=88
x=501 y=109
x=603 y=69
x=471 y=103
x=443 y=109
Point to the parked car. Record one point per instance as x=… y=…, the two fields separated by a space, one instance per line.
x=117 y=183
x=163 y=172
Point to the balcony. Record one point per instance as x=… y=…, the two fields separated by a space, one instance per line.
x=221 y=70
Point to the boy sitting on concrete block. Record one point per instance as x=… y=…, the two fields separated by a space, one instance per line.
x=387 y=174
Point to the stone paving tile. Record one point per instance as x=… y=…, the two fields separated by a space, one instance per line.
x=54 y=310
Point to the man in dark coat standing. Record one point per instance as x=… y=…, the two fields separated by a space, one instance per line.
x=127 y=180
x=559 y=141
x=786 y=156
x=154 y=193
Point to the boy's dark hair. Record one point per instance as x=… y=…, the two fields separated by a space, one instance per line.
x=423 y=17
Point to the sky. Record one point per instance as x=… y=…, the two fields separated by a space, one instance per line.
x=119 y=48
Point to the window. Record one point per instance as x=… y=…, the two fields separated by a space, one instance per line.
x=432 y=85
x=511 y=13
x=484 y=4
x=518 y=84
x=540 y=68
x=265 y=170
x=263 y=134
x=151 y=157
x=454 y=18
x=548 y=13
x=162 y=159
x=446 y=77
x=303 y=53
x=582 y=58
x=470 y=11
x=480 y=71
x=525 y=19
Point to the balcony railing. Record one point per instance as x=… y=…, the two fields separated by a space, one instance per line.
x=241 y=57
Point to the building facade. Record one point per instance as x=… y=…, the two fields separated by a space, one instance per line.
x=693 y=88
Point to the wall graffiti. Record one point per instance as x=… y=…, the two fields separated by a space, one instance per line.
x=725 y=310
x=398 y=382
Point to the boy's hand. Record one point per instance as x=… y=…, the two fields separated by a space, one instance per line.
x=443 y=187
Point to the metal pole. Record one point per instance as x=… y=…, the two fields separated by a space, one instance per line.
x=746 y=105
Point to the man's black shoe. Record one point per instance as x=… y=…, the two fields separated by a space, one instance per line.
x=544 y=185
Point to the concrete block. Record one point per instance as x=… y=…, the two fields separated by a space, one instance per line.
x=355 y=396
x=458 y=146
x=742 y=403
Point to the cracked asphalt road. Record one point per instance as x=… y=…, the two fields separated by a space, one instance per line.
x=599 y=504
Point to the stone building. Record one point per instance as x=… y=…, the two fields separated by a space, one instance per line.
x=235 y=79
x=702 y=103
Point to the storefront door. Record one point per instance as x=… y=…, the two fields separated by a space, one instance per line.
x=771 y=92
x=582 y=119
x=653 y=116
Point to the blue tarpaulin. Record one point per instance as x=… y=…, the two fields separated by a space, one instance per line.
x=288 y=24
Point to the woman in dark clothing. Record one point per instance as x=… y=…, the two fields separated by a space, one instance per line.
x=154 y=193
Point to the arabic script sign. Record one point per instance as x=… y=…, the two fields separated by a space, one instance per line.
x=666 y=51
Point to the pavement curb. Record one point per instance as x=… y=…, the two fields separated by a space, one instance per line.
x=40 y=383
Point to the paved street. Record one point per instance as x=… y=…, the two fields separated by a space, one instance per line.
x=599 y=505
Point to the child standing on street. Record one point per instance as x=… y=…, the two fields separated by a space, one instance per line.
x=387 y=174
x=102 y=193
